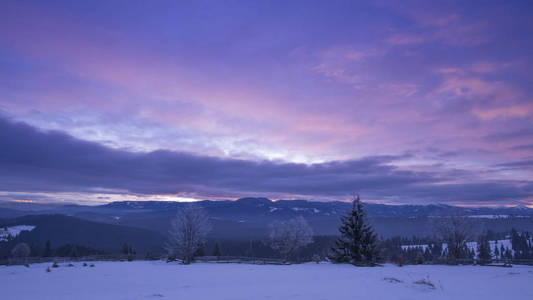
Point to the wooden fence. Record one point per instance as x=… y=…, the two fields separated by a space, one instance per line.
x=227 y=259
x=210 y=259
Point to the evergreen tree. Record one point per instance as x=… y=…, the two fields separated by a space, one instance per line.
x=73 y=251
x=483 y=249
x=496 y=252
x=357 y=243
x=200 y=251
x=250 y=251
x=508 y=253
x=47 y=249
x=217 y=251
x=436 y=251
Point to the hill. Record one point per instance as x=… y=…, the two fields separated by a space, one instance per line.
x=61 y=229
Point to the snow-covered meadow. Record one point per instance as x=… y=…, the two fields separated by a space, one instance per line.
x=156 y=279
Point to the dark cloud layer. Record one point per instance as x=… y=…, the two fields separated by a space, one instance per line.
x=35 y=161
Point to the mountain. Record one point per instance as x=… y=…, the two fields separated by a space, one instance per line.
x=248 y=218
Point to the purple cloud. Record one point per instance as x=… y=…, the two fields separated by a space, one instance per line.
x=37 y=161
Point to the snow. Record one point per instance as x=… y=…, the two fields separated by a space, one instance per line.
x=489 y=216
x=13 y=231
x=306 y=209
x=423 y=246
x=156 y=279
x=273 y=209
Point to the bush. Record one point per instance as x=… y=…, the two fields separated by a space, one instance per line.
x=55 y=265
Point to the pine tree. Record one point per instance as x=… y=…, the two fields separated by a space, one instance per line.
x=125 y=249
x=436 y=251
x=250 y=251
x=47 y=249
x=496 y=251
x=200 y=251
x=73 y=251
x=357 y=243
x=483 y=249
x=217 y=251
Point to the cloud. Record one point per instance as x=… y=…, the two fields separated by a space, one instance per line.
x=523 y=164
x=527 y=147
x=524 y=133
x=512 y=111
x=36 y=161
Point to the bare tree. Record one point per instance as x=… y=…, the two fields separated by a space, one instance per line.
x=187 y=233
x=21 y=251
x=455 y=231
x=287 y=236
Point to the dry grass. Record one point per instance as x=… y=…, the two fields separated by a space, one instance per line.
x=425 y=282
x=392 y=280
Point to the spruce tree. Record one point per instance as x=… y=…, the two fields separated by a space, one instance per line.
x=47 y=249
x=217 y=251
x=483 y=249
x=496 y=252
x=125 y=249
x=357 y=243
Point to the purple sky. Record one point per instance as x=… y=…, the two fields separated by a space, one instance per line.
x=399 y=101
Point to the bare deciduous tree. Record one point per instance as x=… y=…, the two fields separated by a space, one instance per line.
x=21 y=251
x=187 y=233
x=287 y=236
x=455 y=231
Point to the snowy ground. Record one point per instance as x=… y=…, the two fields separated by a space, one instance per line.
x=148 y=280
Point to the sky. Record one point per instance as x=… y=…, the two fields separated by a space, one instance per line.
x=402 y=102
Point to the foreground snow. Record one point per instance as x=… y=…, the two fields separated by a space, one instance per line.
x=145 y=280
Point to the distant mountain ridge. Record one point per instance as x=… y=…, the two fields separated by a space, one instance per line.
x=334 y=207
x=248 y=218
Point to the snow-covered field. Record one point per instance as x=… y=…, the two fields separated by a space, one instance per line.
x=147 y=280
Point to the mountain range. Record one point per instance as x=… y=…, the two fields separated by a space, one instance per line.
x=248 y=218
